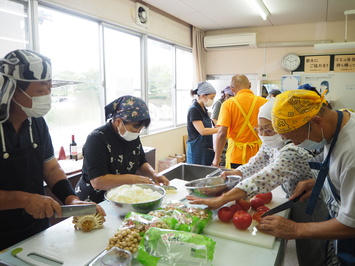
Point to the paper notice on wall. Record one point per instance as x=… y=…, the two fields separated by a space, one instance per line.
x=344 y=63
x=317 y=64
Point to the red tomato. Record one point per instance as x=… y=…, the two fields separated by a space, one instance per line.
x=242 y=220
x=256 y=202
x=257 y=216
x=225 y=214
x=262 y=209
x=235 y=207
x=245 y=204
x=266 y=197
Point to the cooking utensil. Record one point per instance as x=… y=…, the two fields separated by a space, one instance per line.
x=212 y=186
x=123 y=208
x=77 y=210
x=214 y=173
x=284 y=206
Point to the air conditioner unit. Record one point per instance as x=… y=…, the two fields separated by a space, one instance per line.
x=230 y=41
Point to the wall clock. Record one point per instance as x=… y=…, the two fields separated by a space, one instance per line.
x=291 y=62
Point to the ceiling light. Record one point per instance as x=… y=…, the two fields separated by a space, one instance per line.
x=259 y=6
x=339 y=45
x=291 y=44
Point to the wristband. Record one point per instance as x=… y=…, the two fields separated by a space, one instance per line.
x=62 y=189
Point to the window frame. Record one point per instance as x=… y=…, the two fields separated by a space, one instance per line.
x=32 y=21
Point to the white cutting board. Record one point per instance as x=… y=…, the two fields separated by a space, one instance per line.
x=67 y=246
x=180 y=194
x=251 y=235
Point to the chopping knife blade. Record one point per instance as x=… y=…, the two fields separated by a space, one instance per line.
x=284 y=206
x=77 y=210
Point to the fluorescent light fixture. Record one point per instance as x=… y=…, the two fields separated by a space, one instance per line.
x=333 y=46
x=291 y=44
x=339 y=45
x=259 y=6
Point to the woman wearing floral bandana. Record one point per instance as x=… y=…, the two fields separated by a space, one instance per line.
x=113 y=153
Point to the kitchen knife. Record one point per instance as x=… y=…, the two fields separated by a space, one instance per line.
x=284 y=206
x=77 y=210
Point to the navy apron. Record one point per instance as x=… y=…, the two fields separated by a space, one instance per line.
x=345 y=247
x=22 y=170
x=200 y=150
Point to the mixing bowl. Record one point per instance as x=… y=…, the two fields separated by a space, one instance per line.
x=212 y=186
x=142 y=207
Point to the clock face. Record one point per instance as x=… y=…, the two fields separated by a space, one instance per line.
x=291 y=62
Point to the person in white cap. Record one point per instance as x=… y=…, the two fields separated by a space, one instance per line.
x=27 y=156
x=278 y=162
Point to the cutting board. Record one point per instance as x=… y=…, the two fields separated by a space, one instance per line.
x=180 y=194
x=63 y=245
x=251 y=235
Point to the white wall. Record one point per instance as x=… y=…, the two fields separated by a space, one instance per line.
x=268 y=60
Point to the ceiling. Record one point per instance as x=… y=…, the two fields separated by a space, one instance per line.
x=226 y=14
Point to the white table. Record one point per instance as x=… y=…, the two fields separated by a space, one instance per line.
x=226 y=250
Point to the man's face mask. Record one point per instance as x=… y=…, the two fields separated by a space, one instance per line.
x=40 y=105
x=311 y=144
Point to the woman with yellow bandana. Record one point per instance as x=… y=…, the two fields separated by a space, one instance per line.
x=305 y=118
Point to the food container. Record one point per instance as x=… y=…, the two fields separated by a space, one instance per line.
x=116 y=257
x=212 y=186
x=142 y=207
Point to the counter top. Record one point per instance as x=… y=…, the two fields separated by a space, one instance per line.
x=79 y=245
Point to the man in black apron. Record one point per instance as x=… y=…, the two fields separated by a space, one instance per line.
x=305 y=118
x=27 y=157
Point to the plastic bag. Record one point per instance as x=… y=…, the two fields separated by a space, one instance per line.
x=178 y=248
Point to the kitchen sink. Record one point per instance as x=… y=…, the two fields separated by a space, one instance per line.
x=189 y=172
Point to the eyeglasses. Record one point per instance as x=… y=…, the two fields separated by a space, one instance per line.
x=262 y=131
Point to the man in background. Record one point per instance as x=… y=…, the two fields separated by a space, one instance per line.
x=237 y=118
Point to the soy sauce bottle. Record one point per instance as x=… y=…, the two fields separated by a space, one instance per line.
x=73 y=149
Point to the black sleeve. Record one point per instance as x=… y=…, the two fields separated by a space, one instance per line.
x=195 y=114
x=96 y=155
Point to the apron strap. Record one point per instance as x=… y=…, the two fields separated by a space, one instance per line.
x=324 y=169
x=241 y=145
x=246 y=117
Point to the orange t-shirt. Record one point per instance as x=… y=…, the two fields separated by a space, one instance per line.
x=231 y=117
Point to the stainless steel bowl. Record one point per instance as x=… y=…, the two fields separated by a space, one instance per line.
x=143 y=207
x=212 y=186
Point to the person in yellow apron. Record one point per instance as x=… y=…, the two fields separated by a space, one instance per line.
x=237 y=119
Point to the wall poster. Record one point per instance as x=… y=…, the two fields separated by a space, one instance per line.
x=317 y=64
x=344 y=63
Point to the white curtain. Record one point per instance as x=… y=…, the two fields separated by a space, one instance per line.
x=199 y=54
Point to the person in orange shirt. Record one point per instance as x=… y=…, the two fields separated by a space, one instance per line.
x=237 y=118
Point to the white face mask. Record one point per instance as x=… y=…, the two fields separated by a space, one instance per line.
x=40 y=105
x=312 y=145
x=273 y=142
x=209 y=103
x=128 y=136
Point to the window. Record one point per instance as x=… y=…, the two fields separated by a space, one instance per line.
x=184 y=84
x=122 y=64
x=15 y=34
x=160 y=83
x=72 y=43
x=133 y=63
